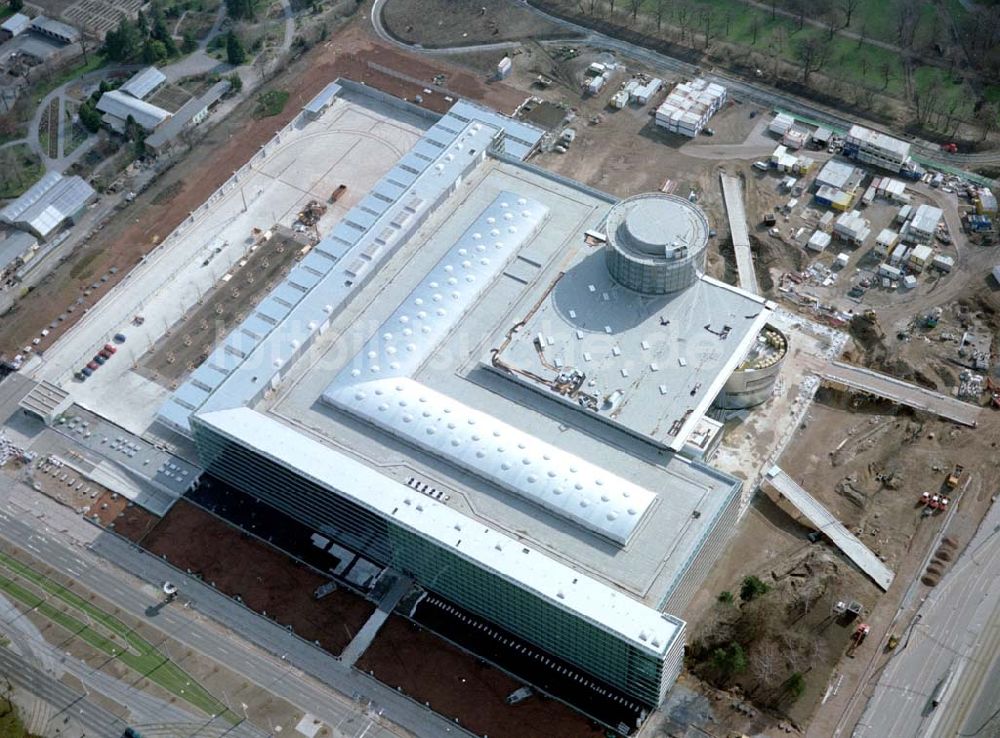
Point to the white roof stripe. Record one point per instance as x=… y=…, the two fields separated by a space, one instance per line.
x=559 y=585
x=378 y=386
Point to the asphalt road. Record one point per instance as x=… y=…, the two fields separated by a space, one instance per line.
x=958 y=631
x=95 y=720
x=248 y=644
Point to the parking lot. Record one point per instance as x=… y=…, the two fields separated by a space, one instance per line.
x=350 y=145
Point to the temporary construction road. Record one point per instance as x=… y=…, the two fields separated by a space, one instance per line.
x=732 y=191
x=899 y=391
x=842 y=538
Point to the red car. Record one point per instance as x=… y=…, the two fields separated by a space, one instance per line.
x=93 y=366
x=110 y=349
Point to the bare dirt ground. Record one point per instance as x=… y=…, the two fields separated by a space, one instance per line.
x=458 y=685
x=265 y=579
x=868 y=463
x=123 y=517
x=446 y=23
x=137 y=230
x=187 y=344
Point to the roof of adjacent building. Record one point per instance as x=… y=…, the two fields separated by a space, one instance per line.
x=144 y=82
x=121 y=106
x=323 y=99
x=926 y=218
x=559 y=585
x=879 y=140
x=58 y=28
x=16 y=24
x=177 y=122
x=835 y=174
x=15 y=245
x=48 y=203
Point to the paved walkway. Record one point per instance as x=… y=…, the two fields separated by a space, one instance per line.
x=902 y=392
x=364 y=637
x=819 y=516
x=732 y=191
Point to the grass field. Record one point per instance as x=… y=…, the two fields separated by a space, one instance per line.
x=105 y=633
x=11 y=725
x=20 y=168
x=94 y=62
x=270 y=103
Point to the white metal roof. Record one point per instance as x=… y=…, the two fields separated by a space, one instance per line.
x=48 y=203
x=376 y=386
x=323 y=99
x=926 y=218
x=16 y=24
x=834 y=173
x=559 y=585
x=119 y=105
x=144 y=82
x=879 y=140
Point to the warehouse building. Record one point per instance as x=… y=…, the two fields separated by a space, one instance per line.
x=49 y=204
x=469 y=433
x=192 y=113
x=118 y=107
x=144 y=83
x=878 y=149
x=689 y=106
x=14 y=26
x=55 y=30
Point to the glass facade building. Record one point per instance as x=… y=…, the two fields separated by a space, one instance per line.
x=640 y=672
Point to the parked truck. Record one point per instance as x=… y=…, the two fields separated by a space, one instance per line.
x=955 y=477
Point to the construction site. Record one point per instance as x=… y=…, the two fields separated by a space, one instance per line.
x=459 y=285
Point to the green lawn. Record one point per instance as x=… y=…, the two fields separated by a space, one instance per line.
x=20 y=168
x=123 y=643
x=94 y=62
x=270 y=103
x=11 y=725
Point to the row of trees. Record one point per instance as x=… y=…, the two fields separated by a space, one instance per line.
x=147 y=38
x=923 y=39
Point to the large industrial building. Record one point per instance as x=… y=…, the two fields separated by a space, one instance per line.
x=496 y=381
x=49 y=204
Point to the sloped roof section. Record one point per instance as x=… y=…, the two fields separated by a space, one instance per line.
x=141 y=84
x=116 y=103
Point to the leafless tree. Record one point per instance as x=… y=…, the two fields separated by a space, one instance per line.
x=812 y=54
x=659 y=11
x=988 y=118
x=886 y=68
x=754 y=27
x=634 y=7
x=849 y=6
x=611 y=7
x=706 y=20
x=766 y=666
x=684 y=19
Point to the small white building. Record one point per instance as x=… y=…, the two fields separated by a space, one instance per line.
x=943 y=263
x=119 y=107
x=818 y=241
x=781 y=123
x=909 y=282
x=920 y=256
x=842 y=260
x=890 y=272
x=899 y=254
x=836 y=174
x=852 y=227
x=689 y=106
x=14 y=26
x=795 y=137
x=886 y=241
x=895 y=190
x=924 y=224
x=642 y=94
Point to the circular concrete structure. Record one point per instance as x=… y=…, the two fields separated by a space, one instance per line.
x=753 y=381
x=656 y=243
